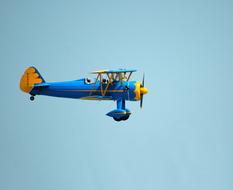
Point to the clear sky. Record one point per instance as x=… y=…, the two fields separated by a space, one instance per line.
x=182 y=139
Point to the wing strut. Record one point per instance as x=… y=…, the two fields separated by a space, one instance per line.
x=94 y=84
x=129 y=76
x=101 y=87
x=106 y=88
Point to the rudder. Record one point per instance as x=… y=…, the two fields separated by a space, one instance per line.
x=30 y=77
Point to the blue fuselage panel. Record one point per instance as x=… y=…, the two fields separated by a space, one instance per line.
x=80 y=89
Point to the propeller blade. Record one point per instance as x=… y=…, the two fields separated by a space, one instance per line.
x=141 y=101
x=142 y=86
x=143 y=83
x=143 y=80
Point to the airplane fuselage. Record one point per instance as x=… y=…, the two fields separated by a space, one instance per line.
x=79 y=89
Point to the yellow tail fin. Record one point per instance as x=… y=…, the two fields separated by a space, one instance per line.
x=30 y=77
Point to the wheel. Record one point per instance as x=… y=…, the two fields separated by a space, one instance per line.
x=125 y=117
x=32 y=98
x=116 y=119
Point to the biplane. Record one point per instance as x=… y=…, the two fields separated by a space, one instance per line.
x=108 y=85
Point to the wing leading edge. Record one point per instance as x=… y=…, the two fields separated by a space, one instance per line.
x=97 y=98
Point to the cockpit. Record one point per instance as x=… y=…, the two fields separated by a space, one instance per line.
x=108 y=78
x=87 y=81
x=90 y=81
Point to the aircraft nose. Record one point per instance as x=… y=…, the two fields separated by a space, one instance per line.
x=143 y=90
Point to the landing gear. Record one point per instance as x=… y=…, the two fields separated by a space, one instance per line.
x=124 y=118
x=116 y=119
x=121 y=113
x=32 y=98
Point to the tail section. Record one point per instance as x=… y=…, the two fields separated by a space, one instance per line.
x=30 y=77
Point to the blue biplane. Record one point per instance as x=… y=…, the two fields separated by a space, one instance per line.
x=108 y=85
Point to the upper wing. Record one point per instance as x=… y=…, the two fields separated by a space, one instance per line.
x=114 y=71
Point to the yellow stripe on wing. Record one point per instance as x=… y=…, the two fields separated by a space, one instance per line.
x=94 y=98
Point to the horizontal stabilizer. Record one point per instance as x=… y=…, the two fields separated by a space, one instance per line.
x=42 y=85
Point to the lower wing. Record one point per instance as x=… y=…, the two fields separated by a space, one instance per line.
x=97 y=98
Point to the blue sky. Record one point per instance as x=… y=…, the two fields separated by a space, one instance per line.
x=182 y=139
